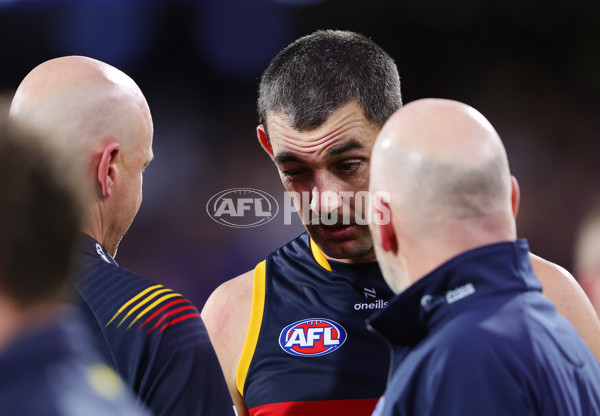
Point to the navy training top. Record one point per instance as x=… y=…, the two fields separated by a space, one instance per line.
x=152 y=336
x=476 y=336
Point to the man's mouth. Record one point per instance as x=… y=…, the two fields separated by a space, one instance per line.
x=336 y=231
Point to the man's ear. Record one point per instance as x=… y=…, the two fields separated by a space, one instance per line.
x=515 y=195
x=107 y=170
x=264 y=140
x=382 y=220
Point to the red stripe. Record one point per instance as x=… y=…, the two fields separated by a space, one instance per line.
x=353 y=407
x=181 y=318
x=173 y=312
x=168 y=305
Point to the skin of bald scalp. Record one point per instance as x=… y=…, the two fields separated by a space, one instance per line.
x=102 y=115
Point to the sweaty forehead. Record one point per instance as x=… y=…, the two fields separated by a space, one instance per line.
x=346 y=129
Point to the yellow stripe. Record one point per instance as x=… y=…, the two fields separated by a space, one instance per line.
x=142 y=303
x=156 y=302
x=130 y=301
x=319 y=256
x=256 y=315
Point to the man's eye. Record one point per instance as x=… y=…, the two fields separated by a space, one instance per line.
x=349 y=166
x=291 y=173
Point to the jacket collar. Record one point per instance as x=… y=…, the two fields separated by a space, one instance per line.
x=90 y=246
x=475 y=274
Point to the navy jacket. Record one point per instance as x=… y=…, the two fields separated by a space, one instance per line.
x=152 y=336
x=50 y=371
x=476 y=337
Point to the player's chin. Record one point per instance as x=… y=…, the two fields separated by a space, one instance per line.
x=342 y=242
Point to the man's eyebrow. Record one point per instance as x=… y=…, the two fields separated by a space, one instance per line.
x=334 y=151
x=287 y=157
x=345 y=147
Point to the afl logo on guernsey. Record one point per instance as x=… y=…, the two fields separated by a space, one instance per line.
x=312 y=337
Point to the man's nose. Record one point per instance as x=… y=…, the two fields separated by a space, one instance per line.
x=325 y=202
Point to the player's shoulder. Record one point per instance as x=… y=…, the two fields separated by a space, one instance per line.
x=570 y=300
x=226 y=315
x=558 y=284
x=551 y=272
x=233 y=297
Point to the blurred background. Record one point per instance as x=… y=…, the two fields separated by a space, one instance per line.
x=531 y=67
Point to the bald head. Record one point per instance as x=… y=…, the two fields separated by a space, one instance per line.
x=101 y=119
x=442 y=161
x=447 y=174
x=442 y=130
x=81 y=101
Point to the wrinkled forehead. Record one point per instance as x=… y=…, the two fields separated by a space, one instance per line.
x=346 y=129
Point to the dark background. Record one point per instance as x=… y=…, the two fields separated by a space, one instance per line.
x=531 y=67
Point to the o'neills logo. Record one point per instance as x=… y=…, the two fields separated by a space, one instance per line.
x=378 y=304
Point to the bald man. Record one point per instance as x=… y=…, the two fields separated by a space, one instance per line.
x=45 y=368
x=469 y=326
x=151 y=335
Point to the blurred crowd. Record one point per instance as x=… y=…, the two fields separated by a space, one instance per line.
x=535 y=74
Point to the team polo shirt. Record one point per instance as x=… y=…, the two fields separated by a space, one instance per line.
x=307 y=350
x=153 y=336
x=48 y=371
x=477 y=337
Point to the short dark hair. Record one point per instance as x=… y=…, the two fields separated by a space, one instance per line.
x=40 y=214
x=315 y=75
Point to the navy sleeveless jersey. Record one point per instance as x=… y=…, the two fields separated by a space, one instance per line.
x=152 y=336
x=307 y=350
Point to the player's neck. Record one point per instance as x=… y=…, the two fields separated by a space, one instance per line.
x=368 y=257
